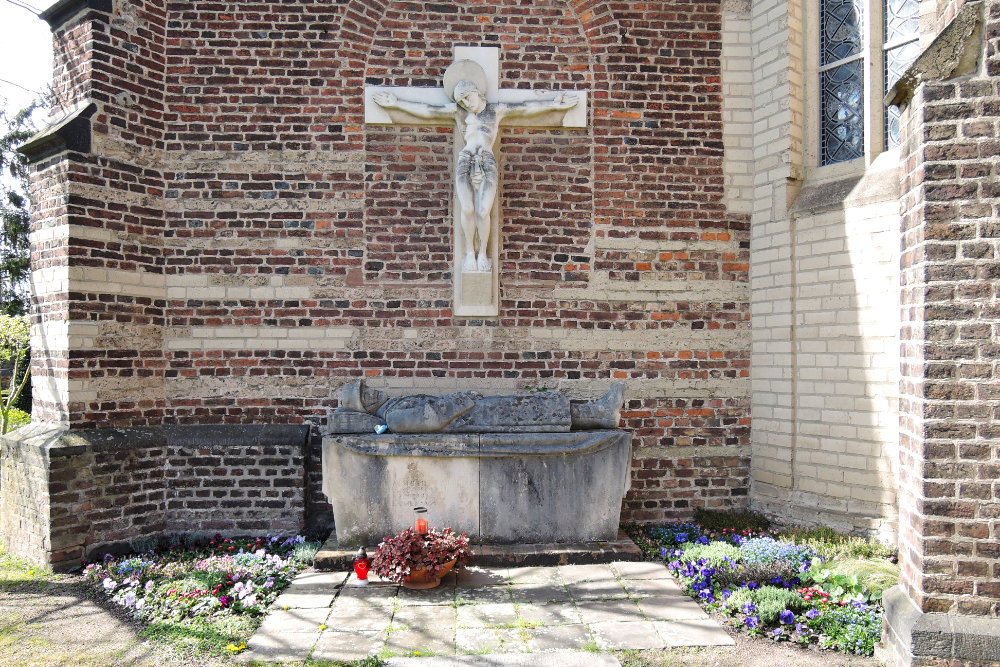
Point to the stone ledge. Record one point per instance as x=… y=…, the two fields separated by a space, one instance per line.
x=332 y=558
x=70 y=132
x=61 y=12
x=910 y=635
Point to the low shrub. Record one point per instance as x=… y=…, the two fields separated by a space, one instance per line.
x=766 y=603
x=731 y=520
x=715 y=554
x=829 y=544
x=854 y=579
x=776 y=573
x=761 y=550
x=853 y=628
x=676 y=533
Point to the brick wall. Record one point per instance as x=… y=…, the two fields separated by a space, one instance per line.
x=269 y=250
x=67 y=495
x=950 y=514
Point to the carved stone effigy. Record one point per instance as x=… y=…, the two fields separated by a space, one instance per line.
x=504 y=469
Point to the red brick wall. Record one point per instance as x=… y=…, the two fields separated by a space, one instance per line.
x=358 y=217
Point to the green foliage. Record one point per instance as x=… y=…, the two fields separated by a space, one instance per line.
x=854 y=579
x=16 y=419
x=738 y=520
x=769 y=601
x=829 y=544
x=757 y=573
x=714 y=553
x=13 y=347
x=14 y=216
x=854 y=628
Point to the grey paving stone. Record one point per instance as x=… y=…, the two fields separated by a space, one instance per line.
x=533 y=593
x=592 y=611
x=477 y=640
x=534 y=575
x=590 y=572
x=425 y=618
x=476 y=577
x=308 y=581
x=290 y=600
x=359 y=616
x=485 y=615
x=371 y=595
x=443 y=594
x=694 y=632
x=634 y=635
x=557 y=613
x=279 y=621
x=652 y=587
x=608 y=589
x=345 y=646
x=483 y=595
x=286 y=646
x=420 y=642
x=671 y=608
x=511 y=641
x=558 y=638
x=563 y=659
x=640 y=570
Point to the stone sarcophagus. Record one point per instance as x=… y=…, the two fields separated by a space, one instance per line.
x=504 y=469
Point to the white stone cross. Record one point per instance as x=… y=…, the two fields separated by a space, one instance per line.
x=472 y=100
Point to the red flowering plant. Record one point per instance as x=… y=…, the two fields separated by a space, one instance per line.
x=408 y=551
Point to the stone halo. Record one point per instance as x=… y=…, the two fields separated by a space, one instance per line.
x=464 y=70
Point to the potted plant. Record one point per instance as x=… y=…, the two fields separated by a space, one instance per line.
x=420 y=560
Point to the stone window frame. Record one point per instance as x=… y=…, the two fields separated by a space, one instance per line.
x=875 y=148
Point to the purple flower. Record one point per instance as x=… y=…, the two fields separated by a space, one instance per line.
x=706 y=595
x=749 y=608
x=777 y=632
x=787 y=617
x=225 y=600
x=681 y=538
x=726 y=593
x=753 y=585
x=801 y=629
x=752 y=621
x=812 y=613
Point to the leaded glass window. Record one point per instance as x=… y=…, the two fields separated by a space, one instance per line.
x=901 y=30
x=842 y=80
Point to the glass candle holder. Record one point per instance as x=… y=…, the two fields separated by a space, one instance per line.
x=420 y=520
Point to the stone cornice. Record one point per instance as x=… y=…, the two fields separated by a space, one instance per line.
x=954 y=52
x=70 y=132
x=64 y=10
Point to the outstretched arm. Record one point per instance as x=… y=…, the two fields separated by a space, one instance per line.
x=560 y=102
x=418 y=109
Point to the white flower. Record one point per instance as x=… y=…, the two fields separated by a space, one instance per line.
x=129 y=599
x=109 y=584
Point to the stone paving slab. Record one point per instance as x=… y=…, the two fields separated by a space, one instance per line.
x=628 y=634
x=540 y=593
x=486 y=615
x=345 y=646
x=479 y=611
x=601 y=611
x=673 y=608
x=652 y=588
x=512 y=660
x=693 y=632
x=575 y=637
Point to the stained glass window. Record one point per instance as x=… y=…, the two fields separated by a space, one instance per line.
x=848 y=44
x=899 y=48
x=842 y=80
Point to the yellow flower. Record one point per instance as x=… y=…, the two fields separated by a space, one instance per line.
x=286 y=607
x=31 y=571
x=233 y=648
x=322 y=627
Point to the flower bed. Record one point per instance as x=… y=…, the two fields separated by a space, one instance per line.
x=772 y=585
x=216 y=589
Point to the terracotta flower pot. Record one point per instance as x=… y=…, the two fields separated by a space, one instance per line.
x=419 y=580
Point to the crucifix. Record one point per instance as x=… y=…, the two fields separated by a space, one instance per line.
x=472 y=100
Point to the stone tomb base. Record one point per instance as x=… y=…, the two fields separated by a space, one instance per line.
x=501 y=488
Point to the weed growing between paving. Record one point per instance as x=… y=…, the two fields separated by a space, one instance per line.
x=807 y=586
x=202 y=595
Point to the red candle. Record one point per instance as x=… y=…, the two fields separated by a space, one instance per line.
x=422 y=526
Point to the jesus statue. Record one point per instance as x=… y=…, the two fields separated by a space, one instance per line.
x=476 y=172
